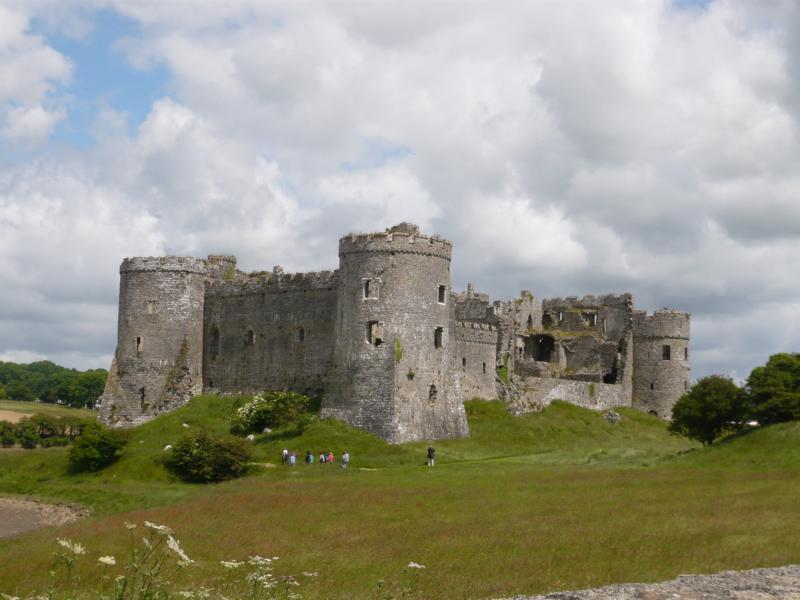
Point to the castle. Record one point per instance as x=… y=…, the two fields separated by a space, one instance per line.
x=383 y=341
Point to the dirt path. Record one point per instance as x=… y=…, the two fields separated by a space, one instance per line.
x=18 y=515
x=757 y=584
x=12 y=416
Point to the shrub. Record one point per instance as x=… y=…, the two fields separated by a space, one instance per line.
x=714 y=405
x=8 y=434
x=27 y=434
x=56 y=440
x=203 y=457
x=48 y=425
x=96 y=447
x=271 y=409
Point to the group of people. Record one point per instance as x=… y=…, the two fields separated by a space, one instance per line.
x=290 y=458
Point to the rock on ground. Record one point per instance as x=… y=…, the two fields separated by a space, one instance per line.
x=757 y=584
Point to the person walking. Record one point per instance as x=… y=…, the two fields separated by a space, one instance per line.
x=431 y=456
x=292 y=459
x=322 y=458
x=285 y=456
x=330 y=456
x=345 y=459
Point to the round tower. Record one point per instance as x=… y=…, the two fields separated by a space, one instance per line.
x=393 y=360
x=158 y=361
x=660 y=360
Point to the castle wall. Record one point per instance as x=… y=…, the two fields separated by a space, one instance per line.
x=540 y=392
x=659 y=378
x=270 y=332
x=158 y=360
x=404 y=387
x=475 y=359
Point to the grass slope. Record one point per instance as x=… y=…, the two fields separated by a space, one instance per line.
x=555 y=500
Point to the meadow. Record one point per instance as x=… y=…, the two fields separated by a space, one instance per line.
x=550 y=501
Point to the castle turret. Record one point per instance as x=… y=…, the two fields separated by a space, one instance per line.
x=158 y=361
x=395 y=341
x=660 y=360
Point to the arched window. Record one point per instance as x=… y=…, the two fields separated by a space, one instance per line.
x=437 y=337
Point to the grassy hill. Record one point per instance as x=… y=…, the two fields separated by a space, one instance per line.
x=30 y=408
x=555 y=500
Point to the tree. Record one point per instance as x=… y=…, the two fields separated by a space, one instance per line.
x=713 y=406
x=774 y=389
x=96 y=447
x=20 y=391
x=203 y=457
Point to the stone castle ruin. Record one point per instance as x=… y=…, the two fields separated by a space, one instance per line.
x=383 y=341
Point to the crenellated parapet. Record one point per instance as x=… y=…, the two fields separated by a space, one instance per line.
x=266 y=282
x=476 y=333
x=587 y=301
x=398 y=240
x=176 y=264
x=664 y=323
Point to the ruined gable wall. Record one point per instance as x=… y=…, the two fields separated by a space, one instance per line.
x=270 y=331
x=475 y=359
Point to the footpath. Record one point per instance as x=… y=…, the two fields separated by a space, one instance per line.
x=756 y=584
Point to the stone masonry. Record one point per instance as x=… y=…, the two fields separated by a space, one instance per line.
x=383 y=341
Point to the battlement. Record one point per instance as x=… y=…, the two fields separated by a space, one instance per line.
x=475 y=333
x=474 y=325
x=272 y=282
x=588 y=301
x=662 y=323
x=179 y=264
x=403 y=239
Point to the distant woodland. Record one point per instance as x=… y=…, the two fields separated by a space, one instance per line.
x=47 y=382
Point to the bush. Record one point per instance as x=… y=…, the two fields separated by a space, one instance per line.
x=96 y=447
x=774 y=389
x=714 y=405
x=56 y=440
x=8 y=434
x=27 y=434
x=203 y=457
x=271 y=409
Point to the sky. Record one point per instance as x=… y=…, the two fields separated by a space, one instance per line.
x=564 y=147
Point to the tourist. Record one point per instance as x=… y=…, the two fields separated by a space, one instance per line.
x=309 y=458
x=285 y=456
x=345 y=459
x=322 y=458
x=292 y=459
x=330 y=456
x=431 y=456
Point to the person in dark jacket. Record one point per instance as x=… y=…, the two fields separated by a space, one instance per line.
x=431 y=456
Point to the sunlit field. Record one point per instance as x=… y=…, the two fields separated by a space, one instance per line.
x=556 y=500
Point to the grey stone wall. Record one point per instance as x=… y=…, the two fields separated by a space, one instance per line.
x=158 y=360
x=658 y=380
x=475 y=358
x=269 y=331
x=540 y=392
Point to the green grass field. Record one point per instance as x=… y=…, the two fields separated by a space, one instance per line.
x=556 y=500
x=30 y=408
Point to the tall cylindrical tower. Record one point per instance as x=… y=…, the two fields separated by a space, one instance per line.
x=393 y=362
x=660 y=360
x=158 y=361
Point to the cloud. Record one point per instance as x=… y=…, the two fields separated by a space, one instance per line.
x=565 y=149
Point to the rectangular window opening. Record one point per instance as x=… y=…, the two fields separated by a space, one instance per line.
x=139 y=344
x=665 y=352
x=366 y=288
x=652 y=385
x=442 y=292
x=464 y=363
x=375 y=333
x=685 y=354
x=484 y=368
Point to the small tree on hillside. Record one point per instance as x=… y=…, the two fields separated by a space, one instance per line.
x=774 y=389
x=714 y=405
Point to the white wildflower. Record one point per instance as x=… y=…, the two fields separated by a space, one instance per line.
x=310 y=574
x=173 y=545
x=7 y=597
x=160 y=528
x=413 y=565
x=130 y=525
x=107 y=560
x=231 y=564
x=146 y=542
x=167 y=447
x=185 y=424
x=259 y=561
x=73 y=547
x=186 y=594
